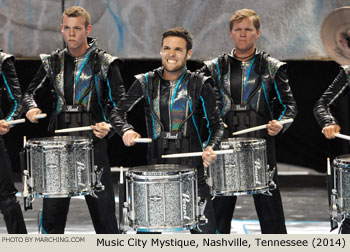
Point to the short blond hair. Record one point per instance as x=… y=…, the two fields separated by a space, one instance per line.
x=77 y=11
x=245 y=13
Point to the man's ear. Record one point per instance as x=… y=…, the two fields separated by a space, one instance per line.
x=258 y=33
x=88 y=30
x=189 y=53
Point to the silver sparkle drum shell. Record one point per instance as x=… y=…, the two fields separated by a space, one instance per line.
x=60 y=166
x=341 y=166
x=162 y=198
x=242 y=172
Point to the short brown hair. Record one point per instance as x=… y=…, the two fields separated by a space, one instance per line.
x=245 y=13
x=77 y=11
x=179 y=32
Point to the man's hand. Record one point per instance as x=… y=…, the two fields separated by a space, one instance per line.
x=100 y=129
x=4 y=127
x=209 y=156
x=32 y=113
x=274 y=127
x=330 y=130
x=129 y=137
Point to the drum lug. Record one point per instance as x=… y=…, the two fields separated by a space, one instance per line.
x=272 y=185
x=97 y=180
x=25 y=183
x=28 y=202
x=131 y=215
x=271 y=173
x=27 y=191
x=333 y=206
x=124 y=225
x=201 y=218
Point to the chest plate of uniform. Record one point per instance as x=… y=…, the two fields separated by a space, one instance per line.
x=82 y=81
x=178 y=104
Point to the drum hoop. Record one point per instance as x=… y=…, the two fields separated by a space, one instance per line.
x=188 y=226
x=237 y=193
x=174 y=177
x=59 y=141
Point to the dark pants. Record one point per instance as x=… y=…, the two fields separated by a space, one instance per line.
x=9 y=206
x=209 y=227
x=345 y=227
x=102 y=209
x=268 y=208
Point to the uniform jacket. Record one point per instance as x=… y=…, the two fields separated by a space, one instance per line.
x=96 y=82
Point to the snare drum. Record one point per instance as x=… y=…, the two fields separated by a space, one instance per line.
x=60 y=166
x=341 y=166
x=242 y=172
x=162 y=198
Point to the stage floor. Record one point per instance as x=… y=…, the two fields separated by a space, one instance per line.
x=304 y=196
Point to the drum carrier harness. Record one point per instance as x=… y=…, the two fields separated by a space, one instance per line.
x=241 y=116
x=170 y=142
x=76 y=115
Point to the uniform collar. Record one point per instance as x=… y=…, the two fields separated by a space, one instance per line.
x=92 y=42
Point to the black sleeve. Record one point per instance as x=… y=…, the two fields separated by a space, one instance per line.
x=214 y=82
x=322 y=108
x=13 y=89
x=124 y=105
x=212 y=114
x=285 y=96
x=116 y=88
x=39 y=80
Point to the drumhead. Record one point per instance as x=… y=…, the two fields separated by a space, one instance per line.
x=58 y=140
x=160 y=169
x=342 y=161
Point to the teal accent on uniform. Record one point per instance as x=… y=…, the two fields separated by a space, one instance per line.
x=194 y=123
x=110 y=93
x=267 y=100
x=81 y=68
x=280 y=100
x=206 y=118
x=98 y=99
x=174 y=95
x=149 y=102
x=13 y=98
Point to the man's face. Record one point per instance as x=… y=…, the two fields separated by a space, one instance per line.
x=174 y=54
x=244 y=35
x=74 y=32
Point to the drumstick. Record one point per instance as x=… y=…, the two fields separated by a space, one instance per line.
x=13 y=122
x=22 y=120
x=195 y=154
x=85 y=128
x=290 y=120
x=342 y=136
x=40 y=116
x=143 y=140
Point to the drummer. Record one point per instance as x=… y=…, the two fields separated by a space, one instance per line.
x=9 y=205
x=325 y=118
x=176 y=101
x=85 y=83
x=249 y=84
